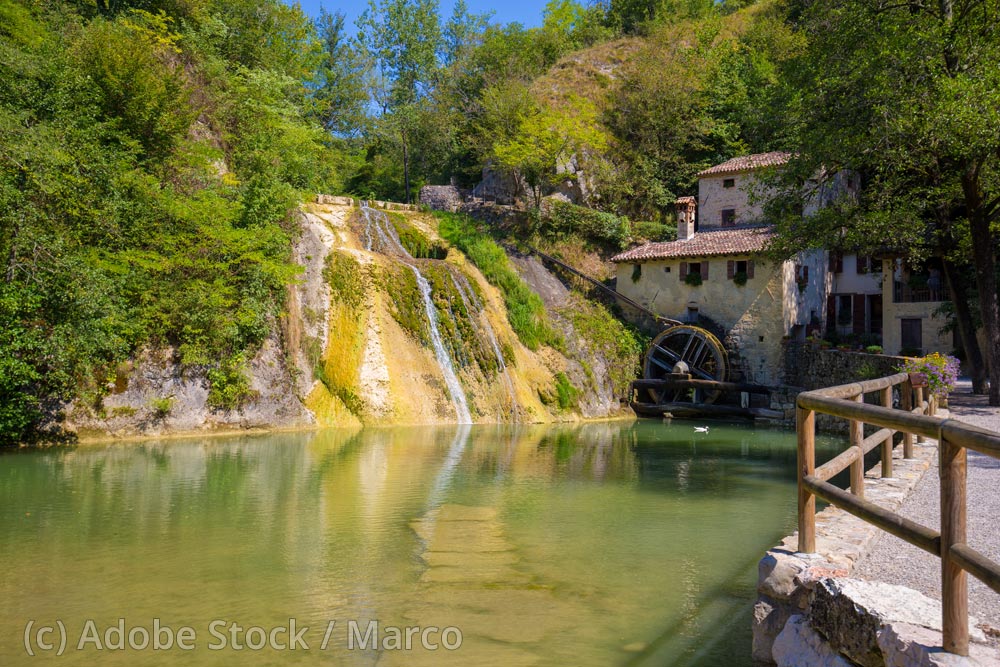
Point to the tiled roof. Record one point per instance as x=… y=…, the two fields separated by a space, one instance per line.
x=748 y=162
x=708 y=243
x=686 y=200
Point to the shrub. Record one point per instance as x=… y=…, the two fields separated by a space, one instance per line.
x=693 y=279
x=874 y=349
x=525 y=309
x=941 y=372
x=229 y=387
x=559 y=218
x=740 y=278
x=162 y=406
x=567 y=395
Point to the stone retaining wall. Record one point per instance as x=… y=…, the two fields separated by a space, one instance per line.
x=334 y=200
x=809 y=611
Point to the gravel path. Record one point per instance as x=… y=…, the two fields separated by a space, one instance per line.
x=894 y=561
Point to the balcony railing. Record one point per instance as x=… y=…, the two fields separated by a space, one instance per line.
x=903 y=293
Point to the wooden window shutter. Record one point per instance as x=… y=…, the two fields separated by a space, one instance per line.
x=684 y=270
x=863 y=263
x=836 y=262
x=730 y=269
x=704 y=270
x=750 y=268
x=859 y=313
x=805 y=273
x=831 y=313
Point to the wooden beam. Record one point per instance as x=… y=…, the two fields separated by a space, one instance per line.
x=887 y=441
x=837 y=464
x=856 y=429
x=906 y=405
x=872 y=414
x=976 y=564
x=712 y=385
x=909 y=531
x=805 y=427
x=954 y=582
x=971 y=437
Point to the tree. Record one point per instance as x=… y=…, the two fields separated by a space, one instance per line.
x=463 y=32
x=340 y=87
x=403 y=38
x=547 y=138
x=907 y=95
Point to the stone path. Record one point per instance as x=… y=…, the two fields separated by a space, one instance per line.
x=894 y=561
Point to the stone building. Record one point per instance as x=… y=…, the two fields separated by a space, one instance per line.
x=912 y=296
x=715 y=270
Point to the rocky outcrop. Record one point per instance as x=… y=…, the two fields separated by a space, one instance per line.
x=442 y=197
x=799 y=645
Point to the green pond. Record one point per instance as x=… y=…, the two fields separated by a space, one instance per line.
x=622 y=543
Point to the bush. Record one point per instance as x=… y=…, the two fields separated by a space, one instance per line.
x=693 y=279
x=559 y=218
x=229 y=387
x=567 y=395
x=941 y=371
x=162 y=406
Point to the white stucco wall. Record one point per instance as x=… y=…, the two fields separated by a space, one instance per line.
x=849 y=281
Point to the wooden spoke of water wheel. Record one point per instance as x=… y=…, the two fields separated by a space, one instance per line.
x=698 y=348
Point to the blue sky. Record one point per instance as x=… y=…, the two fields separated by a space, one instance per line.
x=528 y=12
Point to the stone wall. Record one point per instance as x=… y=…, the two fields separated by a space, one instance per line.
x=442 y=197
x=810 y=367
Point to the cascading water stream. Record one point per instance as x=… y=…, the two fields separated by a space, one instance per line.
x=378 y=226
x=469 y=299
x=443 y=358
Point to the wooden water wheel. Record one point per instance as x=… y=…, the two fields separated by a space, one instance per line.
x=698 y=349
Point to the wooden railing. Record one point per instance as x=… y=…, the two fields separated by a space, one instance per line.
x=914 y=417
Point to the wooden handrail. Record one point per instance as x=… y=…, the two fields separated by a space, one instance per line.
x=954 y=439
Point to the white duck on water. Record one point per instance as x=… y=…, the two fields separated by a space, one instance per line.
x=701 y=429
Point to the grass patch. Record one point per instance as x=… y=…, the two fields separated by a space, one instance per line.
x=415 y=242
x=525 y=309
x=621 y=345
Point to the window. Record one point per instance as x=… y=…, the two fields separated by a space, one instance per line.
x=636 y=272
x=693 y=273
x=728 y=217
x=739 y=270
x=729 y=183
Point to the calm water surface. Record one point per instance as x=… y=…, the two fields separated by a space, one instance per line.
x=602 y=544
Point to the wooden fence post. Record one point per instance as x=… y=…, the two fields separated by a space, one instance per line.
x=906 y=403
x=887 y=443
x=805 y=425
x=954 y=581
x=920 y=404
x=857 y=432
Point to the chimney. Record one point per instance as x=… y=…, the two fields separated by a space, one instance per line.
x=685 y=218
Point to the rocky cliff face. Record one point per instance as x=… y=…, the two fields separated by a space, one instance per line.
x=354 y=346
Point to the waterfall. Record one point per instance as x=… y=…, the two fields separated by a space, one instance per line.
x=469 y=299
x=443 y=359
x=378 y=228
